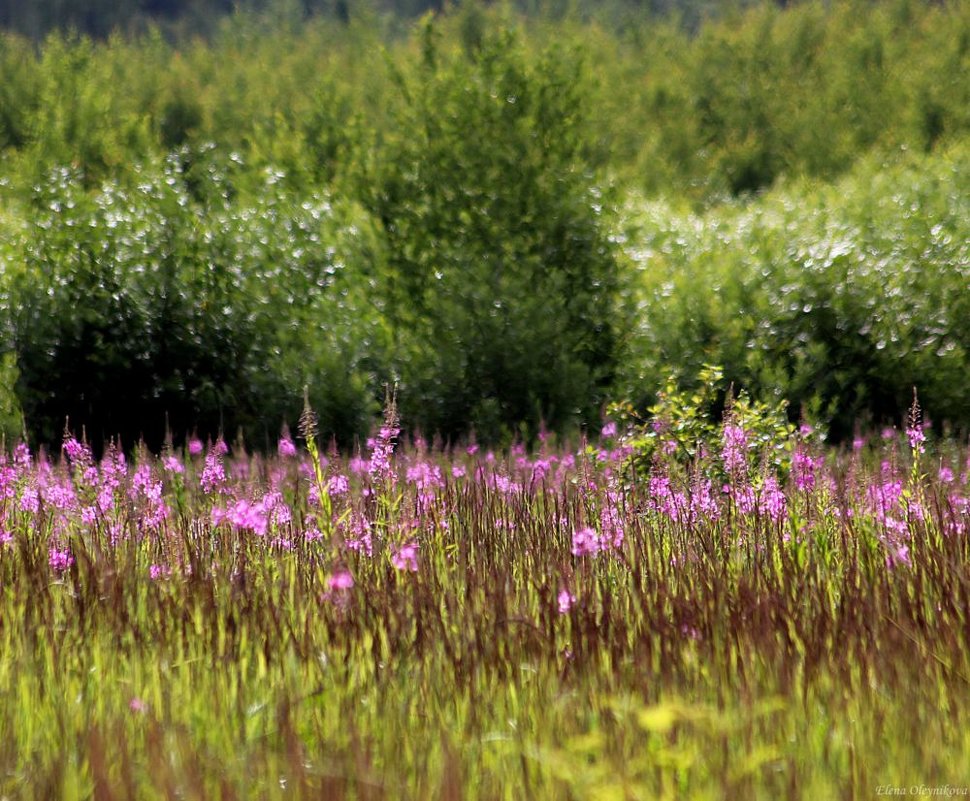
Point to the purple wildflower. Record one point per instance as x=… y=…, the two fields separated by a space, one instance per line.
x=585 y=541
x=916 y=438
x=406 y=558
x=338 y=485
x=77 y=452
x=772 y=501
x=341 y=580
x=382 y=448
x=21 y=456
x=59 y=560
x=734 y=451
x=803 y=469
x=171 y=464
x=213 y=474
x=358 y=537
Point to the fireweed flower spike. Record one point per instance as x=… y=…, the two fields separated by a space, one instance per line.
x=286 y=448
x=914 y=430
x=341 y=580
x=585 y=541
x=405 y=558
x=59 y=559
x=380 y=460
x=308 y=429
x=734 y=451
x=213 y=474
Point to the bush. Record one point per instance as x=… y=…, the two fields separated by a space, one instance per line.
x=841 y=299
x=167 y=305
x=502 y=274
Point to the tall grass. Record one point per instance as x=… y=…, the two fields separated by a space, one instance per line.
x=570 y=623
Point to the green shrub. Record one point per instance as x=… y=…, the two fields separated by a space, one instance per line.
x=167 y=303
x=502 y=275
x=840 y=299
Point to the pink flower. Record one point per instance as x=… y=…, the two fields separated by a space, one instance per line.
x=916 y=439
x=286 y=448
x=137 y=705
x=382 y=448
x=898 y=556
x=21 y=456
x=585 y=541
x=76 y=451
x=30 y=500
x=195 y=447
x=357 y=535
x=213 y=474
x=425 y=476
x=341 y=580
x=172 y=465
x=734 y=452
x=772 y=501
x=59 y=560
x=565 y=599
x=803 y=469
x=338 y=485
x=312 y=533
x=406 y=558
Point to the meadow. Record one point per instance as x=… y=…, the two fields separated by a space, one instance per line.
x=729 y=610
x=652 y=510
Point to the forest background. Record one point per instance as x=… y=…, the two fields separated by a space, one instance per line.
x=517 y=214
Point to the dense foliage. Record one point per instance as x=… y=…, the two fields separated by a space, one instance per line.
x=158 y=306
x=839 y=299
x=516 y=219
x=186 y=18
x=499 y=259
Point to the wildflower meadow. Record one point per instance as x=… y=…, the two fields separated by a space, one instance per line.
x=643 y=614
x=404 y=400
